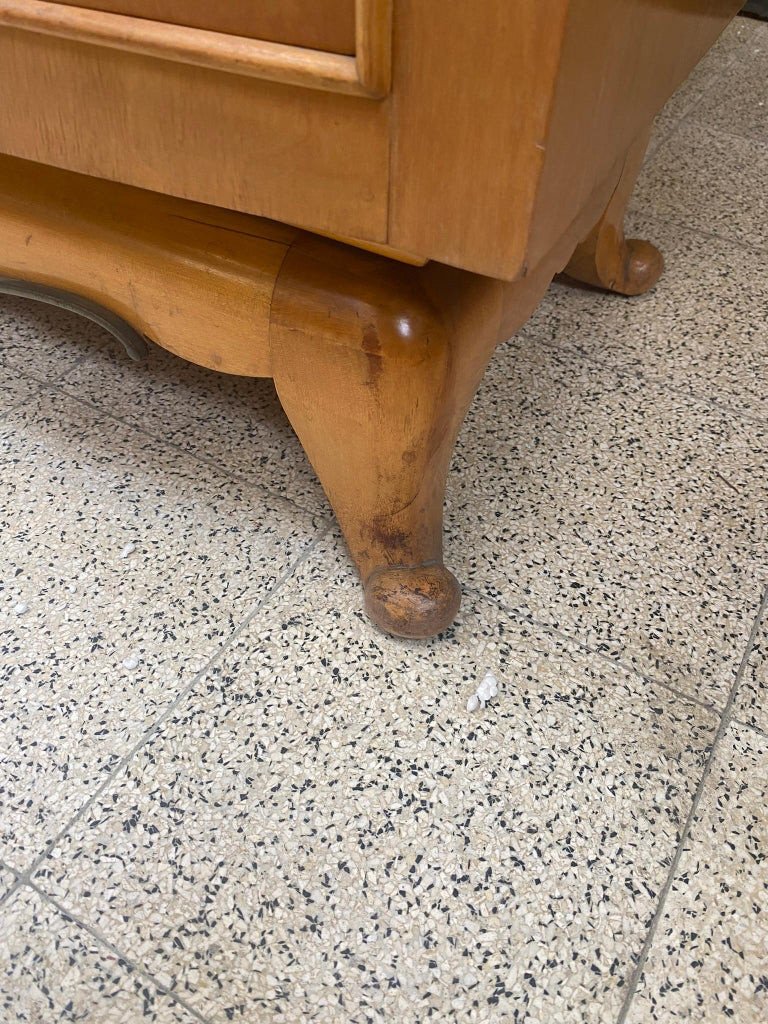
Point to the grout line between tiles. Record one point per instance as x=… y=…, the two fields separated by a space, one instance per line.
x=748 y=725
x=116 y=951
x=658 y=141
x=45 y=381
x=725 y=721
x=688 y=119
x=637 y=207
x=723 y=407
x=688 y=110
x=653 y=219
x=24 y=878
x=149 y=733
x=16 y=884
x=735 y=136
x=708 y=706
x=734 y=243
x=664 y=138
x=14 y=405
x=687 y=114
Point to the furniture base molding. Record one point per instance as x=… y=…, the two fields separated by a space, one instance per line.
x=375 y=361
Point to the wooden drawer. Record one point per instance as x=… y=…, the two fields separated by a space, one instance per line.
x=320 y=25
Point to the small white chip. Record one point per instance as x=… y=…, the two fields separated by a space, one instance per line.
x=488 y=688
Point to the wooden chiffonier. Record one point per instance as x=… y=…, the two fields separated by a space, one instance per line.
x=358 y=198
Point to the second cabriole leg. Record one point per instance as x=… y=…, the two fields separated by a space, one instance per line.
x=606 y=259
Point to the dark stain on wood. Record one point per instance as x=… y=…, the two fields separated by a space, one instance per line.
x=372 y=349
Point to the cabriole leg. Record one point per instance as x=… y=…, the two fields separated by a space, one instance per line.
x=606 y=259
x=375 y=364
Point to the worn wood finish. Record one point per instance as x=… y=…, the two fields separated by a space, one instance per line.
x=320 y=25
x=365 y=367
x=375 y=362
x=507 y=145
x=606 y=259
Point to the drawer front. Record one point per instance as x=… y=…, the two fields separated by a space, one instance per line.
x=304 y=156
x=327 y=25
x=265 y=127
x=494 y=135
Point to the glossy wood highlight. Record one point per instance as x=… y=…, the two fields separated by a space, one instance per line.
x=373 y=45
x=365 y=367
x=507 y=145
x=375 y=362
x=376 y=365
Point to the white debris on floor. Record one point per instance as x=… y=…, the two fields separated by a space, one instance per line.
x=131 y=662
x=488 y=688
x=129 y=548
x=20 y=608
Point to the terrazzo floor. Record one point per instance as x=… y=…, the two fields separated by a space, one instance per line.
x=225 y=797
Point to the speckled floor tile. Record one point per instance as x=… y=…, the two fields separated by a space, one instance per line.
x=94 y=640
x=740 y=32
x=15 y=388
x=7 y=879
x=596 y=503
x=235 y=421
x=709 y=180
x=709 y=959
x=741 y=37
x=53 y=970
x=751 y=704
x=44 y=341
x=322 y=832
x=703 y=329
x=739 y=103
